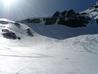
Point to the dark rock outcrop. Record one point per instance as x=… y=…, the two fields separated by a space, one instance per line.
x=53 y=19
x=17 y=24
x=64 y=13
x=56 y=15
x=36 y=20
x=71 y=13
x=96 y=6
x=9 y=34
x=50 y=21
x=73 y=19
x=29 y=32
x=97 y=20
x=4 y=22
x=68 y=18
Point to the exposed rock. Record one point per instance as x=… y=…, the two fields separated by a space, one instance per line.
x=56 y=15
x=4 y=22
x=61 y=21
x=97 y=20
x=53 y=19
x=83 y=13
x=17 y=24
x=71 y=13
x=96 y=6
x=9 y=35
x=5 y=30
x=29 y=32
x=64 y=13
x=68 y=18
x=74 y=19
x=50 y=21
x=28 y=20
x=36 y=20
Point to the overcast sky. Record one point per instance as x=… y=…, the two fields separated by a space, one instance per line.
x=22 y=9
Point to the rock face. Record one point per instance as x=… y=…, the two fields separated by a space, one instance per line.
x=73 y=19
x=50 y=21
x=9 y=34
x=53 y=19
x=68 y=18
x=97 y=20
x=35 y=20
x=56 y=14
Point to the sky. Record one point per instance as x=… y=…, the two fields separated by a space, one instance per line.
x=21 y=9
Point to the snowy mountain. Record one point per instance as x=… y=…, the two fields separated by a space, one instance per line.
x=67 y=18
x=92 y=11
x=65 y=24
x=13 y=30
x=50 y=45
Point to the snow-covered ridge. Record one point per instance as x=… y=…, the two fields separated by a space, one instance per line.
x=92 y=11
x=13 y=30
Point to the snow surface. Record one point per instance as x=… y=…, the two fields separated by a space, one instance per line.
x=54 y=49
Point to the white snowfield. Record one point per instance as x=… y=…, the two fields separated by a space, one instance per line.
x=53 y=49
x=50 y=55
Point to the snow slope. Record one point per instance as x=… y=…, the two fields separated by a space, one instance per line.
x=7 y=26
x=54 y=49
x=47 y=56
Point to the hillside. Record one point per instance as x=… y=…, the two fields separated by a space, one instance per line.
x=56 y=47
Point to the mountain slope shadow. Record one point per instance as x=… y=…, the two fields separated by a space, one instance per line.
x=62 y=32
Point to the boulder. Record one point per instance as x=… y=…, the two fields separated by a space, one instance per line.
x=9 y=35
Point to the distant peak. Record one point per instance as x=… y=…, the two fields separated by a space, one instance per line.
x=96 y=3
